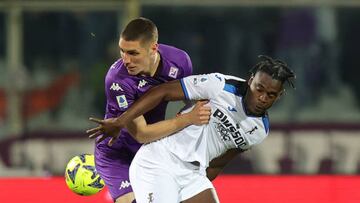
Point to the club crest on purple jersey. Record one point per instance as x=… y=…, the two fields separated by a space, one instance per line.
x=173 y=72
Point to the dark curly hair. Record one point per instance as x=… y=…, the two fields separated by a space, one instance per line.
x=276 y=68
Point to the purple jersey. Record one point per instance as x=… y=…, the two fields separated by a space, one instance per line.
x=122 y=90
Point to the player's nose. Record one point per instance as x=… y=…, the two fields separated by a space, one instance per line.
x=126 y=58
x=263 y=98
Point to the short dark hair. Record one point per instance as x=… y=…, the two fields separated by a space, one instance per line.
x=276 y=68
x=141 y=29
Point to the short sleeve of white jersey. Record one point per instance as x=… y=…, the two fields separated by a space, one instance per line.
x=256 y=134
x=256 y=139
x=206 y=86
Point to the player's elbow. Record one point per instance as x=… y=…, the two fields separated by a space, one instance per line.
x=140 y=138
x=143 y=140
x=212 y=173
x=138 y=133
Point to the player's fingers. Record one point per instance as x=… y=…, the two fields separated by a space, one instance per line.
x=102 y=138
x=205 y=121
x=199 y=104
x=93 y=130
x=205 y=113
x=111 y=141
x=205 y=108
x=203 y=102
x=96 y=120
x=96 y=134
x=204 y=118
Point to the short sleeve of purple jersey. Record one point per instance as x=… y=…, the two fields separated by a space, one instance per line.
x=119 y=95
x=188 y=69
x=176 y=62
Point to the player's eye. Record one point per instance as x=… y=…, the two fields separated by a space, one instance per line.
x=133 y=53
x=259 y=89
x=271 y=96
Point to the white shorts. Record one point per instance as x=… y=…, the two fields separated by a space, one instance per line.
x=158 y=176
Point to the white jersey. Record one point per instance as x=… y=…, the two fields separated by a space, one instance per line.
x=229 y=126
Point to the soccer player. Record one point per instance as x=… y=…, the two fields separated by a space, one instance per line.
x=144 y=64
x=177 y=168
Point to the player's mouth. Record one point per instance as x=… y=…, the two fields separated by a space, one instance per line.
x=131 y=68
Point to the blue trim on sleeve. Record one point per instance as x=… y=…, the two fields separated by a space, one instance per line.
x=184 y=89
x=266 y=122
x=232 y=89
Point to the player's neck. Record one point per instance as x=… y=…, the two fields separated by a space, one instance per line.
x=155 y=65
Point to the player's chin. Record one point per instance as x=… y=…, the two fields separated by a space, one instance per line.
x=132 y=71
x=259 y=110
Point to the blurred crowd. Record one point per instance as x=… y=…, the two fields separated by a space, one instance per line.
x=67 y=54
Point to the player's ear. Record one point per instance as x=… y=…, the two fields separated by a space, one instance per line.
x=154 y=47
x=250 y=80
x=280 y=94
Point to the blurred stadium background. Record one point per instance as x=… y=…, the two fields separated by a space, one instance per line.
x=54 y=55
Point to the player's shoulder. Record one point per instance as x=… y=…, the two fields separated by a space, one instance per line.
x=208 y=79
x=169 y=51
x=117 y=71
x=174 y=54
x=225 y=79
x=233 y=78
x=211 y=82
x=176 y=63
x=116 y=68
x=220 y=82
x=233 y=84
x=117 y=76
x=221 y=76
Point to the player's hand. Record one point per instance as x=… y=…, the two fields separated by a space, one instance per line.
x=107 y=128
x=201 y=113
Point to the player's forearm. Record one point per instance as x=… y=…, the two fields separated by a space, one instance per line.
x=156 y=131
x=170 y=91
